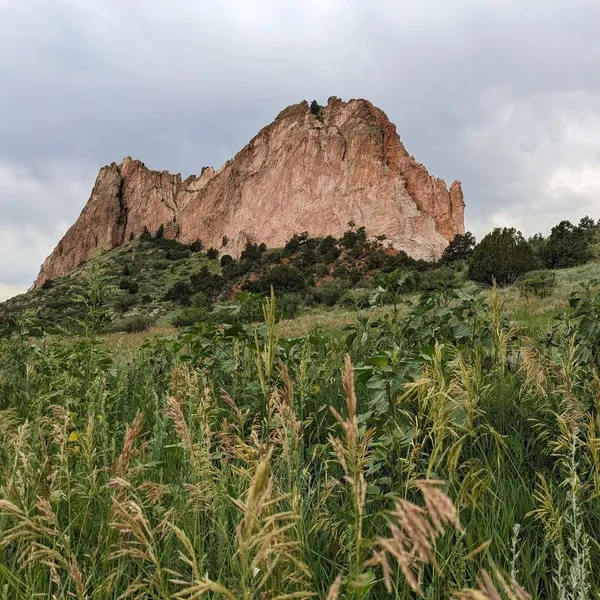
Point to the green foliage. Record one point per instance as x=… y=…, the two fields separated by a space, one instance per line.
x=212 y=254
x=460 y=248
x=502 y=256
x=196 y=246
x=173 y=466
x=567 y=246
x=283 y=278
x=181 y=293
x=253 y=252
x=357 y=298
x=441 y=277
x=540 y=284
x=160 y=233
x=289 y=304
x=583 y=320
x=329 y=293
x=133 y=324
x=145 y=236
x=315 y=108
x=124 y=303
x=190 y=316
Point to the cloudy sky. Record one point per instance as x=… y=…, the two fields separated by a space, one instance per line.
x=501 y=94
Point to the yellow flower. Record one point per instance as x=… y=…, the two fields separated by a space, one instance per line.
x=74 y=436
x=99 y=417
x=316 y=388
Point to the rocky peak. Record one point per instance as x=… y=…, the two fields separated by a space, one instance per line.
x=303 y=172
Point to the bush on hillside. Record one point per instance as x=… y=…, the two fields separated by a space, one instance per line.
x=540 y=284
x=190 y=316
x=253 y=252
x=178 y=254
x=124 y=303
x=358 y=298
x=329 y=293
x=283 y=278
x=134 y=324
x=196 y=246
x=444 y=276
x=206 y=282
x=289 y=304
x=502 y=255
x=181 y=293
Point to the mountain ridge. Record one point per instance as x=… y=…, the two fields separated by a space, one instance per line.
x=306 y=171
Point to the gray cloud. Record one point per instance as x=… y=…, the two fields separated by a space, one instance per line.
x=500 y=94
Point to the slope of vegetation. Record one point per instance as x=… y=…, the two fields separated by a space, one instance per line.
x=229 y=462
x=155 y=279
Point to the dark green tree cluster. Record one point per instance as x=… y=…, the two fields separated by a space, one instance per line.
x=567 y=245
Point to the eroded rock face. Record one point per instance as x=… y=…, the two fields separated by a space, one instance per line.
x=301 y=173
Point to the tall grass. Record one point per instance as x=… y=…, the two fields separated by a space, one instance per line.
x=441 y=455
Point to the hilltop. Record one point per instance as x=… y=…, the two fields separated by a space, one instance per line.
x=314 y=169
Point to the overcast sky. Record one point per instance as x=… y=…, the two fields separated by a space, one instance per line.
x=503 y=95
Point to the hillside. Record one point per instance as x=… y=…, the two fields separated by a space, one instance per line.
x=312 y=169
x=153 y=279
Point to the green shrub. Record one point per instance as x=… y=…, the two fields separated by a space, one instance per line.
x=181 y=292
x=253 y=252
x=159 y=265
x=540 y=284
x=289 y=304
x=321 y=270
x=134 y=324
x=283 y=278
x=502 y=255
x=124 y=303
x=212 y=254
x=189 y=316
x=178 y=254
x=358 y=298
x=433 y=279
x=315 y=108
x=206 y=282
x=200 y=300
x=329 y=293
x=272 y=256
x=295 y=242
x=145 y=236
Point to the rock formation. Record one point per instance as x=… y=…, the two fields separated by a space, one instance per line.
x=303 y=172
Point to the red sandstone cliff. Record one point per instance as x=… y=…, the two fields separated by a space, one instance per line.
x=300 y=173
